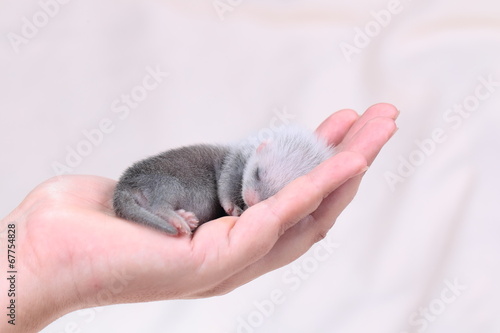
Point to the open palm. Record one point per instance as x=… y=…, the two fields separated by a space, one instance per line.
x=76 y=253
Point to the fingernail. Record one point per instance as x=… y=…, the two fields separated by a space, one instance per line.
x=363 y=170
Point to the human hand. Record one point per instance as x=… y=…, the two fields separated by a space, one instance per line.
x=73 y=252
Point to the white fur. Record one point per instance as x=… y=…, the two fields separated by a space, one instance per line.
x=290 y=153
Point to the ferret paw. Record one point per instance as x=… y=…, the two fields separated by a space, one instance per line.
x=189 y=217
x=237 y=211
x=232 y=210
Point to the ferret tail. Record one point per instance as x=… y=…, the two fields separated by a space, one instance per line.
x=127 y=205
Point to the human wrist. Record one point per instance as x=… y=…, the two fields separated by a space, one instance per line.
x=31 y=293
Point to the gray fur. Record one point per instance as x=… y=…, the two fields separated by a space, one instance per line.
x=152 y=190
x=180 y=189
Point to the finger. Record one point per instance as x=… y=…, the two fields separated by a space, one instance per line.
x=370 y=139
x=368 y=142
x=260 y=227
x=256 y=238
x=302 y=235
x=335 y=127
x=305 y=192
x=378 y=110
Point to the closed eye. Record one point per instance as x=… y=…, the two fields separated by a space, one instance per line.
x=257 y=174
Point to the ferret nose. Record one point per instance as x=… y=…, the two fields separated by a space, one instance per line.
x=251 y=197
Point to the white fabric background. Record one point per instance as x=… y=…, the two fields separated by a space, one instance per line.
x=394 y=252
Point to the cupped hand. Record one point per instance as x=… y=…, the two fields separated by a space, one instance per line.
x=73 y=252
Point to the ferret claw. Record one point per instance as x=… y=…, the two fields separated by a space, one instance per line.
x=189 y=217
x=232 y=210
x=237 y=211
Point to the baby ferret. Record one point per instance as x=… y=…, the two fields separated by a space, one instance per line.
x=178 y=190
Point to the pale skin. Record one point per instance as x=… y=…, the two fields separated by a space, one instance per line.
x=73 y=253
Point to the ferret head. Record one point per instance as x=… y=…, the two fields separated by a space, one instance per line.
x=290 y=153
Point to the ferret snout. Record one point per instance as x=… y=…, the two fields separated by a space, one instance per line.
x=251 y=197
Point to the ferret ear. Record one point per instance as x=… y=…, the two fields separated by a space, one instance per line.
x=262 y=146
